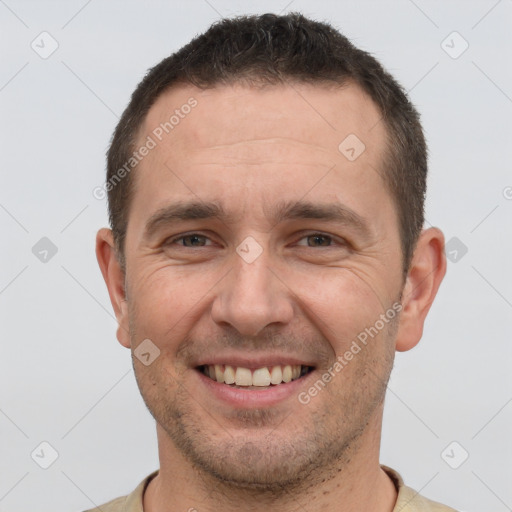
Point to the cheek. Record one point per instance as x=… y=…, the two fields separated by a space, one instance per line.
x=340 y=303
x=165 y=302
x=168 y=302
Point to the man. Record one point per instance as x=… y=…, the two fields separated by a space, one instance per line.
x=266 y=260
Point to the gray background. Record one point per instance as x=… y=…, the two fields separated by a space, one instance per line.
x=64 y=378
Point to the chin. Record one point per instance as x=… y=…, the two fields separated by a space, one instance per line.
x=258 y=466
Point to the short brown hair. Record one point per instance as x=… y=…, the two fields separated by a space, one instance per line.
x=272 y=49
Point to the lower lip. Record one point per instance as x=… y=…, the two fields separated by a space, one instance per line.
x=252 y=398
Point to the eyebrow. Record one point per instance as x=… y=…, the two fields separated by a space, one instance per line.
x=283 y=211
x=330 y=212
x=183 y=211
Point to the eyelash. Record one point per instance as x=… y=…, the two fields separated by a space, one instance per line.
x=313 y=234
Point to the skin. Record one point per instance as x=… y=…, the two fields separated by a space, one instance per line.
x=249 y=148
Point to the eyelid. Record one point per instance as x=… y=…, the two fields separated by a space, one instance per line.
x=305 y=234
x=308 y=235
x=334 y=239
x=172 y=239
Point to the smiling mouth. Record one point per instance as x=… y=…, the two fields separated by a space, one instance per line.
x=260 y=378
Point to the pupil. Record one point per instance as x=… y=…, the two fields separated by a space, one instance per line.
x=316 y=238
x=192 y=239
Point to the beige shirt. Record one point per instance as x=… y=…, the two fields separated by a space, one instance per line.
x=408 y=500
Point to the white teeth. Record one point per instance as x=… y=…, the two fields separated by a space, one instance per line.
x=287 y=373
x=261 y=377
x=229 y=375
x=243 y=377
x=277 y=375
x=219 y=374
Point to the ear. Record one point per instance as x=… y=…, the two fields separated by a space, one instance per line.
x=426 y=271
x=115 y=281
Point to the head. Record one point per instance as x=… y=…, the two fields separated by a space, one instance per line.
x=274 y=221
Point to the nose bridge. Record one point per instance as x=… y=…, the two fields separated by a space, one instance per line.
x=251 y=297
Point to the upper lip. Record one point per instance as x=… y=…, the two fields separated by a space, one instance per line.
x=252 y=362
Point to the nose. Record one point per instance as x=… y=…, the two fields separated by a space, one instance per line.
x=252 y=297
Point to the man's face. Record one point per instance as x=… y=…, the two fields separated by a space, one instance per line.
x=256 y=289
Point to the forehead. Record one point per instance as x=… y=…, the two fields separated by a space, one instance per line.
x=318 y=115
x=273 y=140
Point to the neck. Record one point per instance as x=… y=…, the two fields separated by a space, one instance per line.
x=357 y=483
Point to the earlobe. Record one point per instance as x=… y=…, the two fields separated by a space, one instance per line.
x=427 y=269
x=115 y=280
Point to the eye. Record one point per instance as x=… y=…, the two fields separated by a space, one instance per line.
x=191 y=240
x=317 y=240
